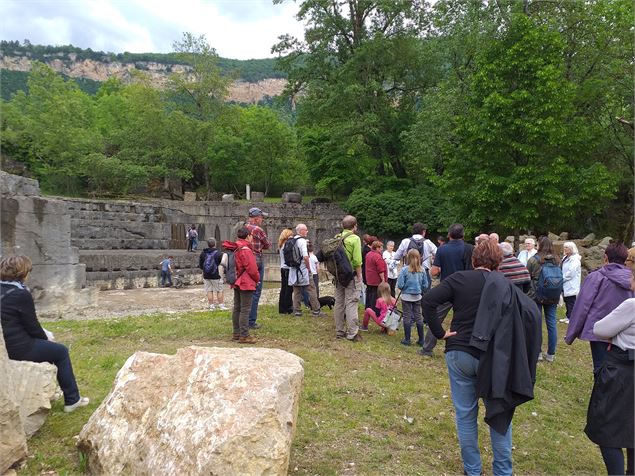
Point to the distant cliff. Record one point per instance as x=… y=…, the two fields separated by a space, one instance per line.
x=257 y=78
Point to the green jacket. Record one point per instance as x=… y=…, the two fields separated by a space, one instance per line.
x=353 y=248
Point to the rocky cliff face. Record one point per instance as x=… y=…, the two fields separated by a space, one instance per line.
x=239 y=91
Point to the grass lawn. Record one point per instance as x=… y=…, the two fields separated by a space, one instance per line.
x=374 y=407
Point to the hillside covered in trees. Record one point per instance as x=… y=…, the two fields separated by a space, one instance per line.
x=506 y=115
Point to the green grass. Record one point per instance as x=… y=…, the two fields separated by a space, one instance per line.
x=353 y=402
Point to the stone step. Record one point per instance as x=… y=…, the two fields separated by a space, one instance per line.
x=100 y=229
x=135 y=260
x=125 y=207
x=121 y=244
x=105 y=280
x=93 y=215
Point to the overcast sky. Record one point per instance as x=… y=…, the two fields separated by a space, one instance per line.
x=240 y=29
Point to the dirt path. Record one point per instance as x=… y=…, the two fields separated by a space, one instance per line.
x=135 y=302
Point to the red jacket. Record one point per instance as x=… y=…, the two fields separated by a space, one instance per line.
x=247 y=275
x=375 y=264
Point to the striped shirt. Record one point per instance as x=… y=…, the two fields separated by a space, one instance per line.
x=514 y=270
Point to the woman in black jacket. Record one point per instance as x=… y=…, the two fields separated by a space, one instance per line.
x=23 y=335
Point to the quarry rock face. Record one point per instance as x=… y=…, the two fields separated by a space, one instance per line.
x=201 y=411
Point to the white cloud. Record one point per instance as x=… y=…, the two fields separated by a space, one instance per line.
x=237 y=29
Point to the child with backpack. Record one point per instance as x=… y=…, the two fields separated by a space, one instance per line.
x=412 y=282
x=384 y=302
x=210 y=261
x=545 y=290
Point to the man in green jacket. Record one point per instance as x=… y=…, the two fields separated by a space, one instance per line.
x=346 y=298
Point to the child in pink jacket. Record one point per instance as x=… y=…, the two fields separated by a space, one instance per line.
x=384 y=301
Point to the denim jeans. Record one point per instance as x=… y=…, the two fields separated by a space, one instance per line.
x=552 y=329
x=166 y=276
x=56 y=354
x=598 y=352
x=462 y=369
x=253 y=314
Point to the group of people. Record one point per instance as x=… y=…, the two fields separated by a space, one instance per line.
x=492 y=344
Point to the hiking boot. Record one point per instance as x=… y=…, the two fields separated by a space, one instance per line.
x=405 y=341
x=235 y=336
x=82 y=402
x=425 y=353
x=356 y=338
x=247 y=340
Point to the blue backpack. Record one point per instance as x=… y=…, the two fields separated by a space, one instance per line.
x=210 y=266
x=550 y=282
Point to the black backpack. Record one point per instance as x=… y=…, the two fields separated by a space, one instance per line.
x=416 y=245
x=291 y=253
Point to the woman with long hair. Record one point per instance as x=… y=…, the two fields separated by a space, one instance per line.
x=285 y=299
x=412 y=282
x=543 y=258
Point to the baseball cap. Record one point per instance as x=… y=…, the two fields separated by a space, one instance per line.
x=256 y=212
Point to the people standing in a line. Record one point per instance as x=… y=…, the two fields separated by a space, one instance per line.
x=455 y=255
x=545 y=258
x=602 y=291
x=285 y=299
x=571 y=277
x=528 y=252
x=166 y=271
x=315 y=268
x=347 y=296
x=419 y=242
x=376 y=271
x=393 y=273
x=384 y=302
x=210 y=261
x=485 y=303
x=23 y=335
x=513 y=269
x=247 y=279
x=610 y=417
x=412 y=282
x=192 y=238
x=300 y=277
x=260 y=243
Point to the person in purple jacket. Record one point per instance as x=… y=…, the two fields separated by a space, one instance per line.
x=601 y=292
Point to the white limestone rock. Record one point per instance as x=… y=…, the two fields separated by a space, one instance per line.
x=34 y=386
x=202 y=411
x=12 y=437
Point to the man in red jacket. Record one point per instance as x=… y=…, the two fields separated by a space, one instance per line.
x=247 y=279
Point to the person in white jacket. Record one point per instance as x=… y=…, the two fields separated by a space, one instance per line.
x=528 y=252
x=571 y=275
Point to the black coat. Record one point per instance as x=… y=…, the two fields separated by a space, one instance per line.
x=20 y=326
x=508 y=331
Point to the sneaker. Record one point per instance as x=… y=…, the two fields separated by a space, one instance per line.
x=405 y=341
x=425 y=353
x=550 y=358
x=420 y=342
x=255 y=326
x=540 y=357
x=356 y=338
x=297 y=314
x=318 y=314
x=564 y=321
x=212 y=307
x=364 y=329
x=222 y=307
x=82 y=402
x=247 y=340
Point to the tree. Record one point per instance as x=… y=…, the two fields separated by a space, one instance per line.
x=523 y=155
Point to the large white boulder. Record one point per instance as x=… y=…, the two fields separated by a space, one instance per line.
x=201 y=411
x=12 y=437
x=34 y=387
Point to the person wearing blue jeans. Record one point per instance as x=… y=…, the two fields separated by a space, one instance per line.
x=462 y=368
x=549 y=311
x=253 y=314
x=260 y=242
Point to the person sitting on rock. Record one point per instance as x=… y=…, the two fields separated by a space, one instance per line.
x=23 y=335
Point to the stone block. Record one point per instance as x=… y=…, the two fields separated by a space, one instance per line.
x=564 y=236
x=291 y=197
x=257 y=196
x=605 y=242
x=222 y=411
x=12 y=437
x=16 y=185
x=35 y=386
x=228 y=197
x=592 y=258
x=189 y=197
